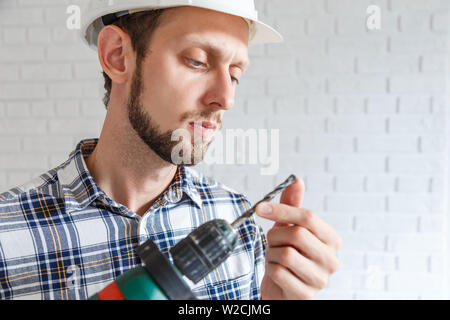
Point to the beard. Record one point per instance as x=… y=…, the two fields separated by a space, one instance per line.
x=161 y=142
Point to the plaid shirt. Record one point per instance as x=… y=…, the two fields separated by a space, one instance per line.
x=62 y=237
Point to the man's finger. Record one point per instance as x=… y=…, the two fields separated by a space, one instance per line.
x=306 y=243
x=292 y=287
x=285 y=214
x=306 y=270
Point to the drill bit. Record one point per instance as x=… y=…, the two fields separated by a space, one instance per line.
x=291 y=179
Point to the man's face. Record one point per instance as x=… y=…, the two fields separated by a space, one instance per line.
x=188 y=79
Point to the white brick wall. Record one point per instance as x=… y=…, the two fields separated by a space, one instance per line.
x=362 y=118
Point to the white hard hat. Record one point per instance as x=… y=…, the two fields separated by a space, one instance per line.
x=94 y=17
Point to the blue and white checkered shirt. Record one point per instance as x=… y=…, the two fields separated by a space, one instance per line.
x=62 y=237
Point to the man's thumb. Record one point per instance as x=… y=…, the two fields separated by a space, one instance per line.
x=294 y=193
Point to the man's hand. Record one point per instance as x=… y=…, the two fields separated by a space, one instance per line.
x=301 y=253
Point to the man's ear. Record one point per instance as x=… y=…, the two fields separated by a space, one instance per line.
x=115 y=53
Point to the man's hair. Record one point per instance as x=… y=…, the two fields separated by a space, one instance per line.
x=140 y=27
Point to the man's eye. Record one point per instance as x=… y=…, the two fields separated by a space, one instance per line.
x=195 y=63
x=198 y=64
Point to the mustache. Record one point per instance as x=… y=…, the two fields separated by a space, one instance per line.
x=204 y=115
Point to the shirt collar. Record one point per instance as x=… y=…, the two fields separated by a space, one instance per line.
x=80 y=190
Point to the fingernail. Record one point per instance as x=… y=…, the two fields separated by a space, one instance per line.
x=265 y=208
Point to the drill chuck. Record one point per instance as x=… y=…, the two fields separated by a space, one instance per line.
x=204 y=249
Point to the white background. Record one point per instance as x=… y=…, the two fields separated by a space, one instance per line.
x=362 y=118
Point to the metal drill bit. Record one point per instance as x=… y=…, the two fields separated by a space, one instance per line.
x=291 y=179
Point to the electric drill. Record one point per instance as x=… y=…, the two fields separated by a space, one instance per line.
x=203 y=250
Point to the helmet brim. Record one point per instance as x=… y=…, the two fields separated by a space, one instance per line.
x=263 y=33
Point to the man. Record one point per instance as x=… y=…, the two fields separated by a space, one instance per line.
x=74 y=229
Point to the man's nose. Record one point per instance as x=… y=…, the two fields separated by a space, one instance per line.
x=221 y=91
